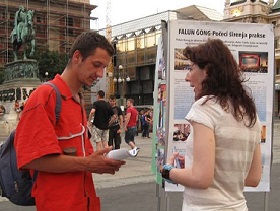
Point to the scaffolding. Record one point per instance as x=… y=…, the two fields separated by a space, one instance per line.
x=56 y=23
x=110 y=68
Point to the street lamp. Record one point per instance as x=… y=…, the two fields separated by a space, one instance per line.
x=121 y=79
x=46 y=75
x=118 y=77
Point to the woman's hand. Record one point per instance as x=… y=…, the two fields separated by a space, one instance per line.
x=179 y=158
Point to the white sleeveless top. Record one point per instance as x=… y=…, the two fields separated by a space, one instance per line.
x=235 y=145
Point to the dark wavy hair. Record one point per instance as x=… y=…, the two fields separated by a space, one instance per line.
x=223 y=80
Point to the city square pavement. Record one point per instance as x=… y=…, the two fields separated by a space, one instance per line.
x=133 y=187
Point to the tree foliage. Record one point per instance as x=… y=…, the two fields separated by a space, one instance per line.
x=51 y=62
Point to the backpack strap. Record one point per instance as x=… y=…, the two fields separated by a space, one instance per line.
x=58 y=99
x=57 y=114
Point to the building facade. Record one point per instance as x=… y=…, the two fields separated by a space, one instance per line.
x=56 y=23
x=135 y=43
x=257 y=11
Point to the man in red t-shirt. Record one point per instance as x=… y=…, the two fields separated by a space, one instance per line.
x=61 y=151
x=130 y=126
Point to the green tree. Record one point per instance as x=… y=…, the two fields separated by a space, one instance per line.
x=51 y=62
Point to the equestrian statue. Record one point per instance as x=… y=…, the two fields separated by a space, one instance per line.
x=23 y=33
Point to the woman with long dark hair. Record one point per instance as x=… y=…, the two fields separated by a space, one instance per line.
x=223 y=149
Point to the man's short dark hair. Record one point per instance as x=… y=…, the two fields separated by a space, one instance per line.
x=101 y=93
x=87 y=43
x=112 y=97
x=131 y=101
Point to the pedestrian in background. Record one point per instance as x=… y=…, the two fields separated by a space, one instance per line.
x=223 y=149
x=2 y=110
x=61 y=151
x=130 y=125
x=145 y=120
x=115 y=124
x=101 y=113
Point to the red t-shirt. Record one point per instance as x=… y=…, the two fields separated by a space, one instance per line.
x=38 y=135
x=133 y=117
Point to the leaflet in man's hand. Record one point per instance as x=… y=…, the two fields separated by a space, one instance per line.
x=121 y=154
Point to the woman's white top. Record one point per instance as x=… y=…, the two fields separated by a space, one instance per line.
x=235 y=145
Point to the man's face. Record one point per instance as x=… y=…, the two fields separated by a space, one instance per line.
x=91 y=68
x=112 y=102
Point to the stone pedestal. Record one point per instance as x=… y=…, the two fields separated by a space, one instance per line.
x=21 y=79
x=21 y=69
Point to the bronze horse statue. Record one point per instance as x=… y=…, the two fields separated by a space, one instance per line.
x=27 y=36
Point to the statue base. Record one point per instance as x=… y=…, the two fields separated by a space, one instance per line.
x=21 y=69
x=21 y=79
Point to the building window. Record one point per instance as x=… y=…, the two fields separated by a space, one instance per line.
x=140 y=57
x=39 y=19
x=151 y=40
x=131 y=72
x=69 y=21
x=121 y=45
x=41 y=30
x=148 y=86
x=70 y=24
x=2 y=15
x=158 y=34
x=134 y=87
x=141 y=41
x=131 y=44
x=12 y=17
x=131 y=58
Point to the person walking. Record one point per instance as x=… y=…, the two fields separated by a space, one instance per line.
x=115 y=124
x=145 y=124
x=61 y=151
x=223 y=152
x=130 y=125
x=101 y=113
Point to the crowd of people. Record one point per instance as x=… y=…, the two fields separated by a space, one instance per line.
x=107 y=121
x=18 y=108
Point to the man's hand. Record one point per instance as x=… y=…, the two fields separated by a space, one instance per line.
x=98 y=163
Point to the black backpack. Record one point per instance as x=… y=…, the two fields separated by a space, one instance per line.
x=16 y=184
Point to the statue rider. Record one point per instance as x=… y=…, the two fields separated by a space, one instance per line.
x=19 y=22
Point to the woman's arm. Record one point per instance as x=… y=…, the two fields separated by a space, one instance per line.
x=255 y=172
x=201 y=174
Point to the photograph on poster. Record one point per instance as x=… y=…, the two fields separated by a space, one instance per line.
x=263 y=134
x=160 y=136
x=180 y=61
x=162 y=92
x=159 y=159
x=161 y=69
x=255 y=62
x=181 y=132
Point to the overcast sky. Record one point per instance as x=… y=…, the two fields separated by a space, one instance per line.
x=126 y=10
